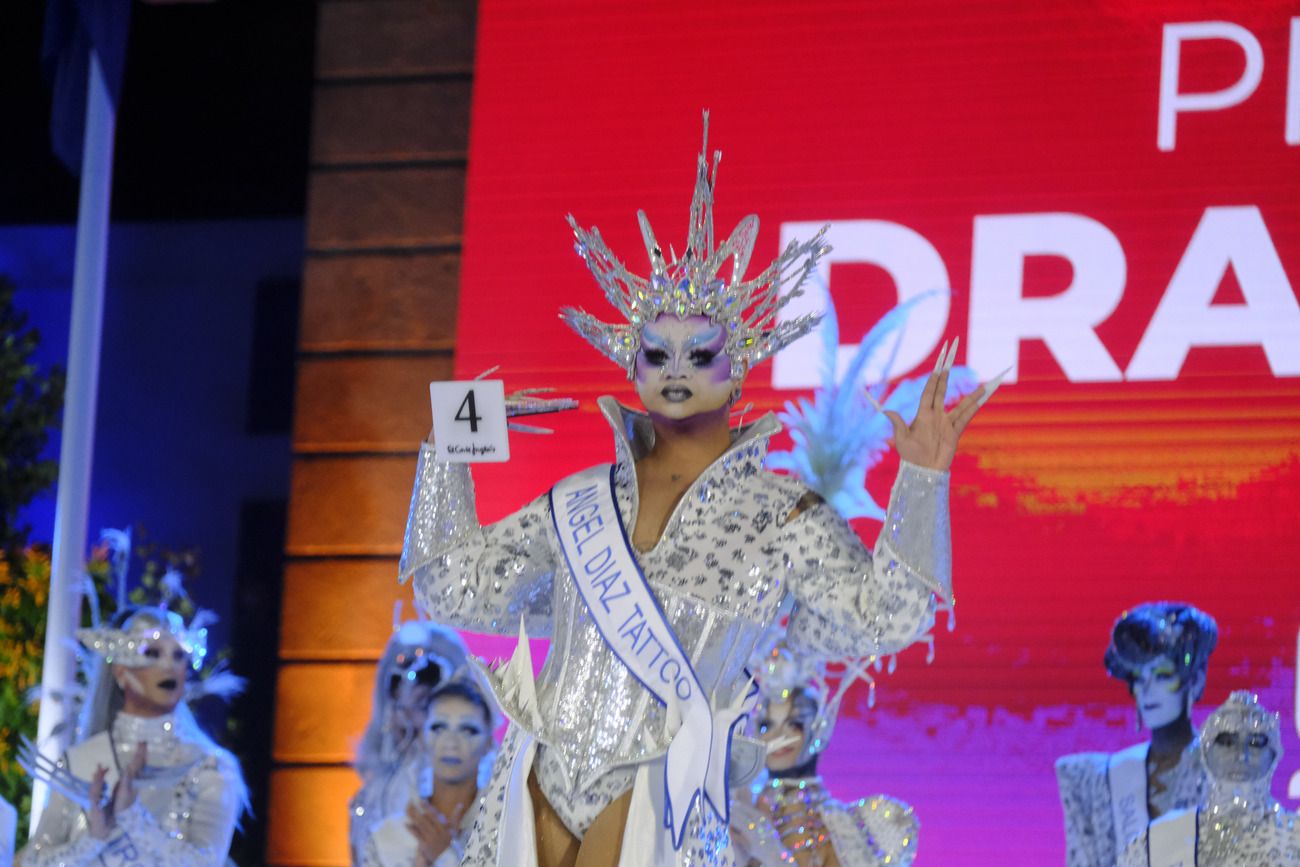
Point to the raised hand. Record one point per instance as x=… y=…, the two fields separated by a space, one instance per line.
x=99 y=819
x=526 y=401
x=931 y=439
x=124 y=793
x=432 y=832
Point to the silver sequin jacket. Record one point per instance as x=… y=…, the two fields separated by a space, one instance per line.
x=1085 y=800
x=729 y=556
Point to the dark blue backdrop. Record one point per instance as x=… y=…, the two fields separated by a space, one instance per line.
x=182 y=442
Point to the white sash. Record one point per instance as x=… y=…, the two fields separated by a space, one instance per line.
x=1171 y=840
x=610 y=581
x=1127 y=775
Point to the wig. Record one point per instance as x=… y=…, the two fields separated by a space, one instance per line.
x=419 y=652
x=1182 y=633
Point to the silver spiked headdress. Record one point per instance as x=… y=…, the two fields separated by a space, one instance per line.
x=694 y=285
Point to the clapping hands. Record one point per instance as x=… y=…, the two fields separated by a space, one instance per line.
x=102 y=818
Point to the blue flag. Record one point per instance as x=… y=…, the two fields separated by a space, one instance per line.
x=74 y=28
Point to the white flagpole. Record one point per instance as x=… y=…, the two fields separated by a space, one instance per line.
x=78 y=443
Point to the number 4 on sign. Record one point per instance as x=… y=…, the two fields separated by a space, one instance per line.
x=469 y=421
x=467 y=413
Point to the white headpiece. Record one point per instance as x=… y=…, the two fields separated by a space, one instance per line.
x=127 y=646
x=692 y=286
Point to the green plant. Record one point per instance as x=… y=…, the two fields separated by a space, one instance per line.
x=30 y=401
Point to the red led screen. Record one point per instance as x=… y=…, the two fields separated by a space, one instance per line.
x=1111 y=190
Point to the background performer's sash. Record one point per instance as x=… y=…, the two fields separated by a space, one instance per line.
x=1127 y=774
x=1171 y=840
x=619 y=599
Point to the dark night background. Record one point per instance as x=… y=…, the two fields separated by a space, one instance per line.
x=201 y=302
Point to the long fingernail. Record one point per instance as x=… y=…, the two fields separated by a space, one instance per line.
x=943 y=352
x=870 y=397
x=992 y=385
x=952 y=353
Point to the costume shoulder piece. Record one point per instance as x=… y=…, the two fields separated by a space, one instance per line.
x=1085 y=801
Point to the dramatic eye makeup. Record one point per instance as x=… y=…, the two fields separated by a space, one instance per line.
x=703 y=349
x=653 y=348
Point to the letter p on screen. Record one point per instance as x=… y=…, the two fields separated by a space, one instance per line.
x=1173 y=101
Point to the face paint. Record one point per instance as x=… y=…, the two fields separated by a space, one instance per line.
x=1159 y=693
x=457 y=737
x=682 y=369
x=157 y=688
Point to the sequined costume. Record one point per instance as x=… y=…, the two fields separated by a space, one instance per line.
x=186 y=823
x=729 y=555
x=1239 y=824
x=1085 y=800
x=789 y=821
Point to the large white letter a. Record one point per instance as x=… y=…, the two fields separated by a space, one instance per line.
x=1186 y=317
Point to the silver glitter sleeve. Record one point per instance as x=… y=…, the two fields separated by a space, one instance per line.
x=852 y=602
x=470 y=576
x=917 y=534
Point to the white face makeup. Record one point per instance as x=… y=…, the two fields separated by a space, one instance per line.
x=1160 y=694
x=790 y=723
x=682 y=369
x=457 y=737
x=155 y=689
x=1240 y=757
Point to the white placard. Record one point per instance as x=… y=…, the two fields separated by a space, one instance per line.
x=469 y=421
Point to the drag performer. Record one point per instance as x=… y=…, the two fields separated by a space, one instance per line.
x=1161 y=650
x=457 y=743
x=655 y=576
x=1239 y=824
x=146 y=786
x=390 y=760
x=791 y=817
